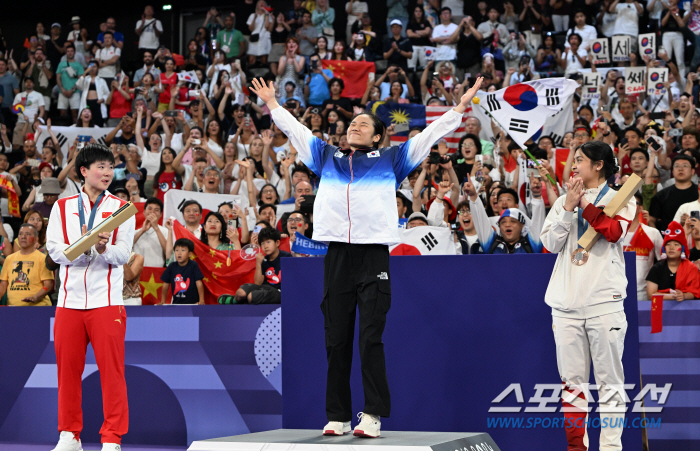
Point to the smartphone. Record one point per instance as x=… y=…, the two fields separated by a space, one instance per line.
x=532 y=172
x=695 y=215
x=307 y=206
x=194 y=93
x=197 y=142
x=170 y=113
x=479 y=159
x=257 y=229
x=657 y=116
x=332 y=128
x=246 y=120
x=231 y=224
x=604 y=108
x=314 y=64
x=402 y=127
x=653 y=144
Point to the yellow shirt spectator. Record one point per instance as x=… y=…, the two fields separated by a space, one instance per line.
x=25 y=278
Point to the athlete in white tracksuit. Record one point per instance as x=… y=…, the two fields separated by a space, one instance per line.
x=588 y=317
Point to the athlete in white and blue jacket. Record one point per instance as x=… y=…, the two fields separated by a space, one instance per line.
x=355 y=211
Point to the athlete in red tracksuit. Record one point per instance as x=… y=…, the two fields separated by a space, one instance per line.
x=90 y=307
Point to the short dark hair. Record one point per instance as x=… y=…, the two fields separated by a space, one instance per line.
x=635 y=130
x=305 y=219
x=26 y=224
x=264 y=206
x=303 y=169
x=639 y=150
x=336 y=79
x=154 y=201
x=473 y=137
x=685 y=157
x=70 y=45
x=568 y=39
x=445 y=8
x=269 y=233
x=184 y=242
x=189 y=202
x=379 y=127
x=404 y=200
x=107 y=33
x=510 y=191
x=92 y=153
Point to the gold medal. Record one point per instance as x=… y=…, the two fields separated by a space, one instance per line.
x=579 y=257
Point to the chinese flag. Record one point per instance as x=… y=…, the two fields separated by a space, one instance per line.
x=219 y=278
x=560 y=156
x=151 y=285
x=353 y=73
x=657 y=312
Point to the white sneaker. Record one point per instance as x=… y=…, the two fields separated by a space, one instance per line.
x=67 y=442
x=336 y=428
x=368 y=427
x=111 y=447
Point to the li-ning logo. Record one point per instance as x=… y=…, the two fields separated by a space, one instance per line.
x=429 y=241
x=383 y=276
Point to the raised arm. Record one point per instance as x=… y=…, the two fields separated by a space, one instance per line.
x=482 y=224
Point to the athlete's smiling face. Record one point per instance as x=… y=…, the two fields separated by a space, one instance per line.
x=361 y=132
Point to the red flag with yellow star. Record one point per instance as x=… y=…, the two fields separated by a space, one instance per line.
x=219 y=278
x=151 y=285
x=353 y=73
x=12 y=198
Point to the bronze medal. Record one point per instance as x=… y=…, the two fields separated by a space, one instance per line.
x=579 y=257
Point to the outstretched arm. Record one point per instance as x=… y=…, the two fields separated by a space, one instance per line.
x=310 y=149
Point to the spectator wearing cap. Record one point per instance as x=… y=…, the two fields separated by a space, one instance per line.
x=55 y=47
x=121 y=193
x=397 y=11
x=40 y=70
x=417 y=219
x=666 y=202
x=79 y=37
x=316 y=83
x=467 y=236
x=674 y=276
x=517 y=234
x=442 y=34
x=50 y=189
x=397 y=49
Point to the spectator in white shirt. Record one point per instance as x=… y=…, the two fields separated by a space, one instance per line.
x=587 y=32
x=574 y=58
x=627 y=21
x=149 y=30
x=442 y=34
x=107 y=58
x=354 y=9
x=150 y=240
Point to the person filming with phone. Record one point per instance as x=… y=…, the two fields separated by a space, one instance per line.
x=355 y=211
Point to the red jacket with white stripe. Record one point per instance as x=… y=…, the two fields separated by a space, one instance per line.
x=102 y=275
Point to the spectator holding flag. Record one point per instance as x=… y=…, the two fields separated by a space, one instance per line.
x=357 y=184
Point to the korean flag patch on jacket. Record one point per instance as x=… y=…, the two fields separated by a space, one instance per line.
x=373 y=154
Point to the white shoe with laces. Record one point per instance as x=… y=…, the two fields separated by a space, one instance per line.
x=111 y=447
x=369 y=426
x=67 y=442
x=336 y=428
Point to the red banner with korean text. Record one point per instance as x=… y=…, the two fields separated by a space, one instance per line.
x=353 y=73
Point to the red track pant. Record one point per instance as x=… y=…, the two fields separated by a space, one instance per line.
x=105 y=328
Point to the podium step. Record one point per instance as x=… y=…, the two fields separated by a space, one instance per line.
x=312 y=440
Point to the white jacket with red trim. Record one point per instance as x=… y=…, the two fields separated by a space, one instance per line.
x=600 y=286
x=102 y=275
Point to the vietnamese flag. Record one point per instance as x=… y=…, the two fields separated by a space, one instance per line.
x=657 y=313
x=560 y=157
x=151 y=285
x=353 y=73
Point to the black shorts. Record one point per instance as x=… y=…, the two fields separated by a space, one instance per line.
x=262 y=294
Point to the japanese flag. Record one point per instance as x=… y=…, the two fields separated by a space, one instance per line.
x=522 y=109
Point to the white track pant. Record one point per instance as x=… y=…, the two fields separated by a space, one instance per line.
x=579 y=341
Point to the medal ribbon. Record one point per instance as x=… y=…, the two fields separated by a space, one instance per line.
x=81 y=213
x=582 y=223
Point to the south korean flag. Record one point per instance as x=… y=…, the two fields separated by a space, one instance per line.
x=523 y=108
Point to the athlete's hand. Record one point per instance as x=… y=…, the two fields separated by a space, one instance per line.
x=101 y=245
x=265 y=93
x=469 y=95
x=574 y=194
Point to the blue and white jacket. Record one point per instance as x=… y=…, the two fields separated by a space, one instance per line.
x=356 y=200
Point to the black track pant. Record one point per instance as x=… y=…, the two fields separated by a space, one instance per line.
x=356 y=276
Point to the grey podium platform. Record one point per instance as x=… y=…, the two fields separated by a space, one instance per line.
x=312 y=440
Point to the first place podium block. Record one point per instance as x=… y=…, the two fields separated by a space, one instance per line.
x=312 y=440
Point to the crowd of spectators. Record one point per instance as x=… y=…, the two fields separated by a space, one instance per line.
x=214 y=136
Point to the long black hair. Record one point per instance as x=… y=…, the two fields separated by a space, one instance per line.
x=222 y=234
x=379 y=127
x=599 y=151
x=161 y=168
